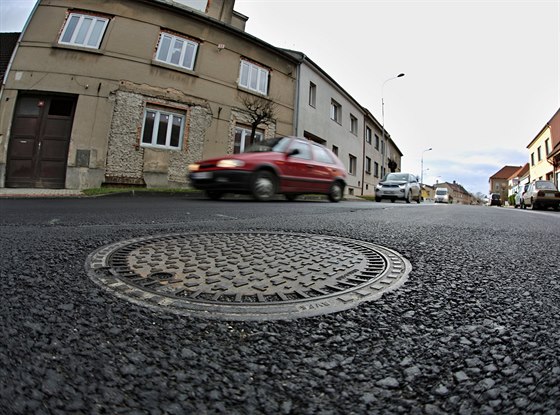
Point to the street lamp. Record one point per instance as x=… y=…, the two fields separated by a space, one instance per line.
x=422 y=165
x=383 y=117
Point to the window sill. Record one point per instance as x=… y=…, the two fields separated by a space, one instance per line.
x=162 y=148
x=174 y=68
x=57 y=45
x=250 y=91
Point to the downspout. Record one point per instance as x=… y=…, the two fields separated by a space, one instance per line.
x=295 y=129
x=363 y=154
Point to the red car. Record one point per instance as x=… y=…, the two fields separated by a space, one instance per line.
x=287 y=165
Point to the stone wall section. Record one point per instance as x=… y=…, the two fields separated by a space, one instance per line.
x=130 y=163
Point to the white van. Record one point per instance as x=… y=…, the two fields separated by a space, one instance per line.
x=442 y=195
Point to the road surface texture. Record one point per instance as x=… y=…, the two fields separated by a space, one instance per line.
x=474 y=330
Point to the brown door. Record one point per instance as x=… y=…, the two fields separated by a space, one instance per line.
x=39 y=140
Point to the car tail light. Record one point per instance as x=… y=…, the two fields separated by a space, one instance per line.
x=540 y=193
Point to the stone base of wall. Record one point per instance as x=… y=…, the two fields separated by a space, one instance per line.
x=84 y=178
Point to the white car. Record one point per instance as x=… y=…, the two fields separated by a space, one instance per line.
x=398 y=186
x=542 y=194
x=519 y=196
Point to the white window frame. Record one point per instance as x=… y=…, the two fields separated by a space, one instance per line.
x=169 y=55
x=158 y=114
x=352 y=164
x=368 y=165
x=312 y=94
x=336 y=111
x=246 y=133
x=253 y=77
x=368 y=135
x=77 y=33
x=353 y=125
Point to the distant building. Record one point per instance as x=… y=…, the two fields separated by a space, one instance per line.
x=458 y=193
x=499 y=181
x=518 y=179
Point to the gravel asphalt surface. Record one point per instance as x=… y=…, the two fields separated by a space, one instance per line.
x=474 y=330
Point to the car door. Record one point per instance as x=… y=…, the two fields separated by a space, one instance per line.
x=414 y=186
x=298 y=168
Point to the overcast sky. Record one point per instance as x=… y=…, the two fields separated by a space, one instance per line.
x=481 y=77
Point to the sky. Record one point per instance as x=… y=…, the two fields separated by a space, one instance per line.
x=482 y=77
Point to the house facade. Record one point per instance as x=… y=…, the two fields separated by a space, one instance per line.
x=544 y=152
x=498 y=182
x=132 y=91
x=327 y=114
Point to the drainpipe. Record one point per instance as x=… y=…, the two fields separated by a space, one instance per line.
x=363 y=154
x=296 y=109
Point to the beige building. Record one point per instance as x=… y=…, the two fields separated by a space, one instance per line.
x=132 y=91
x=544 y=152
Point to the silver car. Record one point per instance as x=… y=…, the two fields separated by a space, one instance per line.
x=398 y=186
x=541 y=194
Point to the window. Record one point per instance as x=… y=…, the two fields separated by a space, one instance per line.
x=304 y=151
x=382 y=147
x=162 y=129
x=352 y=165
x=312 y=94
x=336 y=111
x=176 y=51
x=243 y=138
x=322 y=155
x=368 y=135
x=376 y=169
x=547 y=146
x=353 y=125
x=83 y=30
x=335 y=150
x=368 y=165
x=253 y=77
x=539 y=157
x=376 y=142
x=532 y=159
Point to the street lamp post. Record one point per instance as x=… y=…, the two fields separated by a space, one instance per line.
x=383 y=118
x=422 y=166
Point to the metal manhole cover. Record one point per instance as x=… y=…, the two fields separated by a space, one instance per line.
x=247 y=275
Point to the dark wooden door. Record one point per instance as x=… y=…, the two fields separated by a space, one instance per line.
x=39 y=141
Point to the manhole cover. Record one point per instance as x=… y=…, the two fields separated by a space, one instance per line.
x=247 y=275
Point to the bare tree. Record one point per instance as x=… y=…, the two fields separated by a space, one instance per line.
x=260 y=110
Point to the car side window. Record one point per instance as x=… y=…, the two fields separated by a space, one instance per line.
x=304 y=151
x=321 y=155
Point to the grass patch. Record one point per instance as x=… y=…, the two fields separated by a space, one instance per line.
x=370 y=198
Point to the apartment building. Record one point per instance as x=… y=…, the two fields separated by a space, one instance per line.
x=132 y=91
x=327 y=114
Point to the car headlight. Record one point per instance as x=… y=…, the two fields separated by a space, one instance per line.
x=228 y=163
x=194 y=167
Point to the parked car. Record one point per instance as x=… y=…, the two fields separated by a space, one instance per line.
x=398 y=186
x=542 y=194
x=442 y=195
x=519 y=196
x=495 y=199
x=288 y=165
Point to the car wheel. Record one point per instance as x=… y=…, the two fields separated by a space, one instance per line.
x=263 y=186
x=214 y=194
x=290 y=196
x=409 y=197
x=378 y=199
x=335 y=192
x=533 y=205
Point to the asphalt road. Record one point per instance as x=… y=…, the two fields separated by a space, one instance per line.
x=475 y=329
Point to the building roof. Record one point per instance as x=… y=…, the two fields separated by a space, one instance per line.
x=553 y=124
x=8 y=42
x=522 y=171
x=505 y=172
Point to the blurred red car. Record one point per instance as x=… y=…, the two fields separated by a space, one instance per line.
x=288 y=165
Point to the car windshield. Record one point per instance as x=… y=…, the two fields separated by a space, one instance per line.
x=495 y=196
x=279 y=145
x=441 y=192
x=545 y=185
x=398 y=177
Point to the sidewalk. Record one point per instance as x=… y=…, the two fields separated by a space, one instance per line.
x=17 y=193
